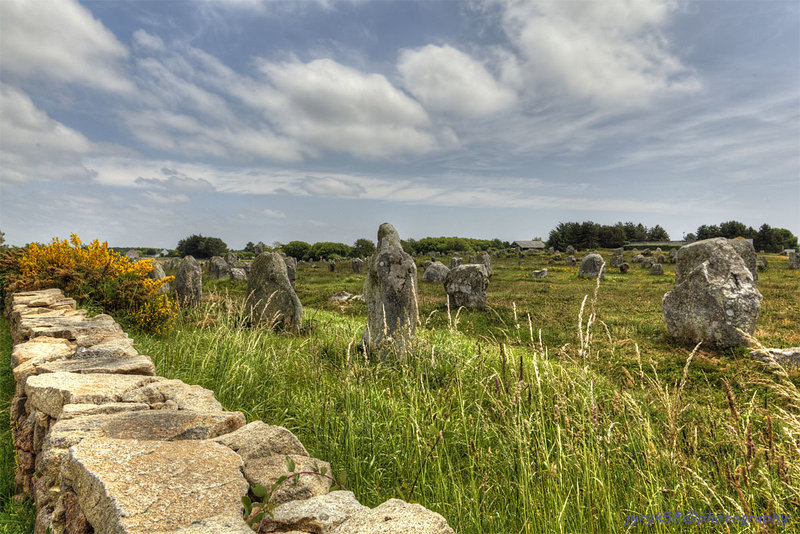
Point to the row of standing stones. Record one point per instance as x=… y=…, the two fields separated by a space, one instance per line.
x=714 y=301
x=104 y=445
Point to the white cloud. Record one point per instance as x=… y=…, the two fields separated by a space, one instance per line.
x=611 y=52
x=330 y=106
x=448 y=80
x=60 y=40
x=274 y=214
x=166 y=198
x=327 y=186
x=34 y=146
x=147 y=40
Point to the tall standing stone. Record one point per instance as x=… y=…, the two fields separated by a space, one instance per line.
x=794 y=260
x=455 y=261
x=189 y=283
x=218 y=268
x=291 y=268
x=435 y=272
x=485 y=260
x=357 y=265
x=390 y=292
x=714 y=296
x=271 y=300
x=231 y=259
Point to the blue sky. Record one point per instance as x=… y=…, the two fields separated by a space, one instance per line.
x=144 y=122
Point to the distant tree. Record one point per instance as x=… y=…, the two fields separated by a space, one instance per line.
x=657 y=233
x=363 y=248
x=690 y=237
x=771 y=239
x=708 y=232
x=733 y=229
x=328 y=250
x=2 y=237
x=612 y=236
x=250 y=247
x=297 y=249
x=201 y=247
x=149 y=251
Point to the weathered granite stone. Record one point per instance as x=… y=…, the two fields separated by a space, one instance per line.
x=647 y=263
x=714 y=296
x=78 y=363
x=541 y=273
x=331 y=266
x=50 y=392
x=42 y=348
x=390 y=292
x=638 y=258
x=570 y=250
x=466 y=286
x=84 y=331
x=317 y=514
x=136 y=486
x=761 y=263
x=341 y=296
x=232 y=259
x=592 y=266
x=266 y=470
x=71 y=411
x=357 y=264
x=132 y=255
x=570 y=261
x=615 y=261
x=218 y=268
x=271 y=299
x=435 y=272
x=745 y=249
x=238 y=274
x=660 y=259
x=291 y=268
x=174 y=394
x=485 y=260
x=189 y=283
x=157 y=273
x=794 y=260
x=260 y=440
x=657 y=269
x=786 y=357
x=455 y=261
x=395 y=517
x=624 y=268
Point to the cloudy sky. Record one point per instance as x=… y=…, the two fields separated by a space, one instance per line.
x=143 y=122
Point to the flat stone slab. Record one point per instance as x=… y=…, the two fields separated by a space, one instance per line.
x=70 y=411
x=267 y=470
x=151 y=425
x=395 y=517
x=44 y=348
x=786 y=357
x=79 y=363
x=130 y=486
x=85 y=332
x=260 y=440
x=174 y=394
x=318 y=514
x=51 y=391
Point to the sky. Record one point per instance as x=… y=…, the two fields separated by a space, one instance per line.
x=144 y=122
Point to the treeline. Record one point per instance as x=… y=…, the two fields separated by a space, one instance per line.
x=363 y=247
x=590 y=234
x=452 y=245
x=765 y=238
x=327 y=250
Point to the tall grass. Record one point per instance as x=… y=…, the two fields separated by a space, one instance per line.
x=500 y=437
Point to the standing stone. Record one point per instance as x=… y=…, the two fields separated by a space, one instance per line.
x=426 y=264
x=541 y=273
x=615 y=261
x=238 y=274
x=259 y=248
x=570 y=261
x=570 y=249
x=358 y=264
x=231 y=259
x=794 y=260
x=638 y=258
x=551 y=250
x=455 y=262
x=619 y=251
x=714 y=296
x=761 y=263
x=188 y=283
x=132 y=255
x=435 y=272
x=218 y=268
x=466 y=286
x=331 y=265
x=745 y=249
x=390 y=292
x=657 y=269
x=660 y=258
x=271 y=299
x=157 y=273
x=624 y=268
x=592 y=265
x=291 y=268
x=486 y=261
x=647 y=263
x=673 y=255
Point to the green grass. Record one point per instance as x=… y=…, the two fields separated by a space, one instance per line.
x=501 y=423
x=501 y=430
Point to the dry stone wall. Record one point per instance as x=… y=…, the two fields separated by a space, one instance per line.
x=104 y=445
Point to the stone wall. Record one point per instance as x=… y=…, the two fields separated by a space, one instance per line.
x=104 y=445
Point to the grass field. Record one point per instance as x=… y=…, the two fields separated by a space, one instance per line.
x=543 y=413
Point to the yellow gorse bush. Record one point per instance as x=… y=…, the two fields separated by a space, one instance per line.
x=96 y=275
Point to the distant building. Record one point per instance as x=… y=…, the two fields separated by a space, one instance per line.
x=529 y=245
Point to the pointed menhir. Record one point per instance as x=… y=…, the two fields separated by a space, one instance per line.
x=390 y=292
x=271 y=300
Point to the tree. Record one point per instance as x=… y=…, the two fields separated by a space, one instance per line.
x=250 y=247
x=690 y=237
x=707 y=232
x=657 y=233
x=201 y=247
x=363 y=248
x=733 y=229
x=612 y=236
x=326 y=250
x=297 y=249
